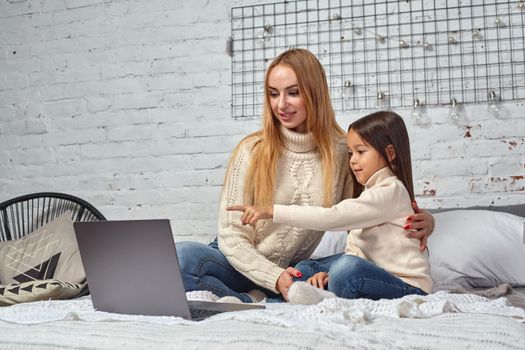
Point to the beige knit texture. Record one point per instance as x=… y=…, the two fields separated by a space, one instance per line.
x=437 y=321
x=262 y=253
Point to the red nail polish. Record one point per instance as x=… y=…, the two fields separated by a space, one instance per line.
x=299 y=275
x=409 y=218
x=406 y=227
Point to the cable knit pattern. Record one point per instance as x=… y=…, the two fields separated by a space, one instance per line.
x=262 y=254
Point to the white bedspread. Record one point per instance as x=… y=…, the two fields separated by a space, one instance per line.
x=436 y=321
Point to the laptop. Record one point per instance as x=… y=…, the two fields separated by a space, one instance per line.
x=132 y=268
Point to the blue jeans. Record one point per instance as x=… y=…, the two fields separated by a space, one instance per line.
x=352 y=277
x=204 y=267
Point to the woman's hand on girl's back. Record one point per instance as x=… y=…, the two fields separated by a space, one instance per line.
x=421 y=224
x=252 y=213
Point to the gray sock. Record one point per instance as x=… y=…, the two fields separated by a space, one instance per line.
x=305 y=293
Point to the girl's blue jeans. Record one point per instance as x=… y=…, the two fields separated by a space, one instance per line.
x=352 y=277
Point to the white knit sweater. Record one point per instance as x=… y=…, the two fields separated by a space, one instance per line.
x=262 y=254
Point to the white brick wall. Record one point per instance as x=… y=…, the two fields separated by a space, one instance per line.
x=127 y=104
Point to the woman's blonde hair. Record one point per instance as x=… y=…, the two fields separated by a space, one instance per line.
x=311 y=78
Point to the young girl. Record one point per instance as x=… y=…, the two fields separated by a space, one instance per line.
x=380 y=260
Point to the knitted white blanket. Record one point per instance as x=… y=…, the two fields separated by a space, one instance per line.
x=436 y=321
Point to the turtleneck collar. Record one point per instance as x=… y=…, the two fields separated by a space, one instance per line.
x=379 y=176
x=296 y=141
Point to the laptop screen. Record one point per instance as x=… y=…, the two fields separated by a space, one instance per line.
x=132 y=267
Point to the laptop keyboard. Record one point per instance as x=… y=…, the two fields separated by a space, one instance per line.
x=200 y=314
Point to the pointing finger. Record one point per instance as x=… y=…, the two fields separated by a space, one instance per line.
x=236 y=208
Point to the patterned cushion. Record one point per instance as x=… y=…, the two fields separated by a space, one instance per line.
x=51 y=252
x=38 y=290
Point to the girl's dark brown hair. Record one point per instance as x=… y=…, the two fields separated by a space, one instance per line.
x=379 y=130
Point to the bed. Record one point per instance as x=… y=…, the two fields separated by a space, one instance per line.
x=479 y=302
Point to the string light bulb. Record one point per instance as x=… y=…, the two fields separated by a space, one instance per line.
x=266 y=33
x=453 y=112
x=493 y=105
x=380 y=100
x=418 y=113
x=347 y=90
x=452 y=39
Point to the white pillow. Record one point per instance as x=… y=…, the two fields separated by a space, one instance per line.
x=333 y=242
x=477 y=248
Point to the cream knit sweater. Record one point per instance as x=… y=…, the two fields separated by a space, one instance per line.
x=262 y=254
x=376 y=219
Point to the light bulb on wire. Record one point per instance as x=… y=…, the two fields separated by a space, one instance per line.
x=418 y=112
x=380 y=100
x=453 y=112
x=347 y=90
x=347 y=95
x=493 y=105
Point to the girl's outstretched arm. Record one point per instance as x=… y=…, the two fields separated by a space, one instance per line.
x=252 y=213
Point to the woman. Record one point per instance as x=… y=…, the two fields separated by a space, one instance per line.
x=299 y=157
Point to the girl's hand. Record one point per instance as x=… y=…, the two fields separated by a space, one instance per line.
x=319 y=280
x=252 y=213
x=421 y=224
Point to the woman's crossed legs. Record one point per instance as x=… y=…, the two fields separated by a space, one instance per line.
x=204 y=267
